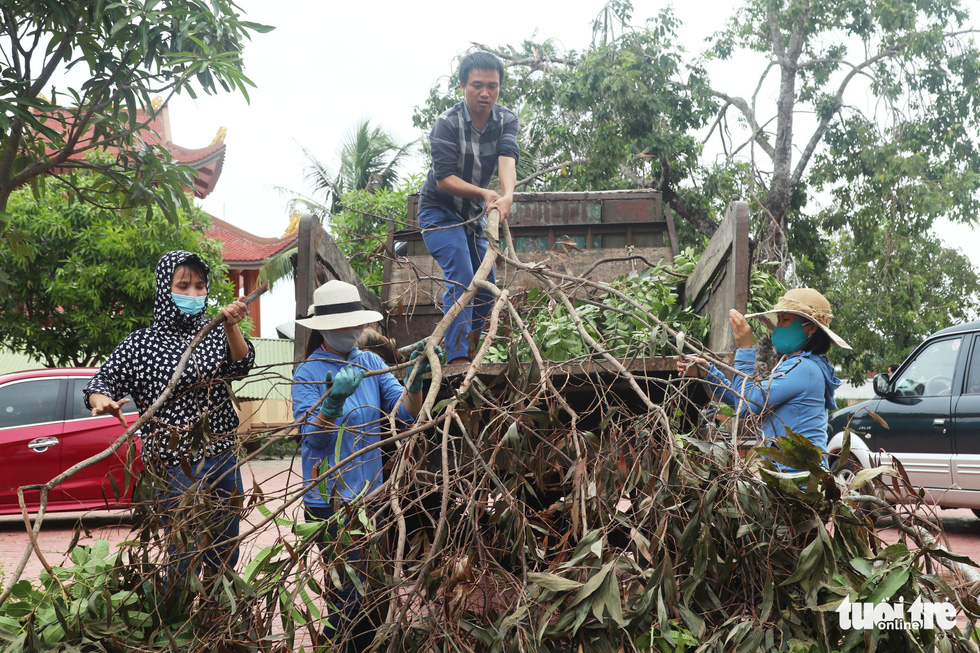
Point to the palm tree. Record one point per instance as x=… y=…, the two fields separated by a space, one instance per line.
x=370 y=159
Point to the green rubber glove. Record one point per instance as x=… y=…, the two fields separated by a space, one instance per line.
x=341 y=387
x=423 y=363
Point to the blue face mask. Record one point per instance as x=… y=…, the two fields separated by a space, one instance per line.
x=787 y=339
x=188 y=304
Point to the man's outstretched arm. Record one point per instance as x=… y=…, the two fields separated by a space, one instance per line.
x=507 y=173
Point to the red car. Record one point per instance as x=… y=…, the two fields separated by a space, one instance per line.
x=45 y=429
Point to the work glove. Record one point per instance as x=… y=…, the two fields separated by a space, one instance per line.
x=341 y=387
x=423 y=363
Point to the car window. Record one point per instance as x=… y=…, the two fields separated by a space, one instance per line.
x=78 y=410
x=931 y=373
x=973 y=374
x=29 y=402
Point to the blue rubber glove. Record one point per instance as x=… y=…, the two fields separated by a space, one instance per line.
x=424 y=366
x=341 y=387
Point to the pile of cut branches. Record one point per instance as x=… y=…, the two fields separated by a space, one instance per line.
x=537 y=510
x=614 y=321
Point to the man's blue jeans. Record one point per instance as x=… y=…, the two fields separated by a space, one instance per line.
x=220 y=514
x=459 y=250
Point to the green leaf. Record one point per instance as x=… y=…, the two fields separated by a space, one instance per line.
x=865 y=476
x=553 y=582
x=811 y=558
x=592 y=584
x=692 y=621
x=891 y=584
x=613 y=600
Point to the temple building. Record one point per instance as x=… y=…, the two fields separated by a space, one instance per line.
x=244 y=253
x=206 y=161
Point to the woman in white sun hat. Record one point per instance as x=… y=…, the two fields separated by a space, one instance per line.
x=355 y=413
x=800 y=389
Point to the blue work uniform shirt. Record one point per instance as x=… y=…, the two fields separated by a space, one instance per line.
x=364 y=419
x=797 y=395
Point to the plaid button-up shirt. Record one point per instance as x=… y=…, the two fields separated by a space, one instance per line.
x=458 y=148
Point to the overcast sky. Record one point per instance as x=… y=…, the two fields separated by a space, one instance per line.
x=328 y=65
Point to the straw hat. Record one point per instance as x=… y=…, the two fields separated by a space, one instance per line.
x=337 y=305
x=807 y=303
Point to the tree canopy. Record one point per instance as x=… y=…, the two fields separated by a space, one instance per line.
x=851 y=102
x=122 y=53
x=358 y=201
x=89 y=279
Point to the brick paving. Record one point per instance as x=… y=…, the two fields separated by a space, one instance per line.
x=273 y=477
x=962 y=528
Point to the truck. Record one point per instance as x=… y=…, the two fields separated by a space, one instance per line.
x=609 y=233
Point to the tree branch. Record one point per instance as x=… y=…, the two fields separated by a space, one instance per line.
x=539 y=61
x=772 y=19
x=743 y=107
x=821 y=127
x=558 y=166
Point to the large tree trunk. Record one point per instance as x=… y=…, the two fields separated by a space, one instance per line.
x=786 y=48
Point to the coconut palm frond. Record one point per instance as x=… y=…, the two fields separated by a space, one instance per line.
x=318 y=174
x=370 y=157
x=389 y=173
x=278 y=268
x=308 y=205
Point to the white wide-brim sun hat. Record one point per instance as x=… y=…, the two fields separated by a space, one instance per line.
x=337 y=305
x=809 y=304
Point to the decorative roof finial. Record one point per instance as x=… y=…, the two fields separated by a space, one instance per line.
x=220 y=136
x=293 y=223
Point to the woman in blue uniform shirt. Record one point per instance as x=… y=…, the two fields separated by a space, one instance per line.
x=800 y=390
x=355 y=412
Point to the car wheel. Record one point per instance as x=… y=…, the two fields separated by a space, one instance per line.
x=846 y=473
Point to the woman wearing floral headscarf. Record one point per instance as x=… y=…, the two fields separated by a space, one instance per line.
x=142 y=366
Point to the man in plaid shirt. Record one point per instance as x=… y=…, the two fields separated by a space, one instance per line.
x=470 y=142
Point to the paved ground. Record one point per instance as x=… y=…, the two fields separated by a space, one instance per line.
x=962 y=527
x=58 y=528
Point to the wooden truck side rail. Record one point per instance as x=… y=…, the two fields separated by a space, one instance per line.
x=720 y=280
x=603 y=225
